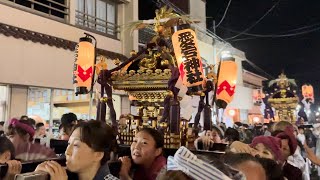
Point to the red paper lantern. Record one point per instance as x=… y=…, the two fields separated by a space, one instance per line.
x=226 y=81
x=307 y=92
x=188 y=57
x=83 y=66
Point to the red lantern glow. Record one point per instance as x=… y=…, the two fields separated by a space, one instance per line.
x=226 y=81
x=83 y=66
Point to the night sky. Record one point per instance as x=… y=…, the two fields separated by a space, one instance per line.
x=296 y=55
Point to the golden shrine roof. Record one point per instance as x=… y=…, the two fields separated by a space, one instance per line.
x=141 y=79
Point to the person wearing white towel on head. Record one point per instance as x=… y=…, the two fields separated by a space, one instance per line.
x=187 y=162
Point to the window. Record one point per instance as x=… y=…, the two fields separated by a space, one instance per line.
x=99 y=15
x=3 y=102
x=39 y=102
x=53 y=8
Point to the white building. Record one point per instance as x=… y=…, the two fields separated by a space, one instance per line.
x=37 y=52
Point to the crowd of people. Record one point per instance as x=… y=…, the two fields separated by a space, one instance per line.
x=274 y=151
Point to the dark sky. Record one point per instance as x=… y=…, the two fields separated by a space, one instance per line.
x=297 y=55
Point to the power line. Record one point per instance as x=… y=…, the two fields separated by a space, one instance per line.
x=244 y=39
x=201 y=29
x=278 y=35
x=254 y=24
x=258 y=68
x=178 y=10
x=256 y=36
x=303 y=27
x=224 y=14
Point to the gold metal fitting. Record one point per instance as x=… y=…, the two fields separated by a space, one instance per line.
x=173 y=135
x=169 y=93
x=104 y=99
x=116 y=61
x=163 y=124
x=133 y=53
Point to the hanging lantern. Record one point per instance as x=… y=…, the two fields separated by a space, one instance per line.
x=226 y=81
x=307 y=92
x=84 y=66
x=188 y=58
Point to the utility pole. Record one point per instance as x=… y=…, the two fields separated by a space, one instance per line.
x=215 y=112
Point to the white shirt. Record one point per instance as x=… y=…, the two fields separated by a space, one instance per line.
x=301 y=138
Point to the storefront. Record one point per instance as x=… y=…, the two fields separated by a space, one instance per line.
x=44 y=104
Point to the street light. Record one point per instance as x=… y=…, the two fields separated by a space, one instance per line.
x=298 y=107
x=256 y=119
x=308 y=112
x=232 y=112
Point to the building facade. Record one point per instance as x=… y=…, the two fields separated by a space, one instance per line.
x=38 y=40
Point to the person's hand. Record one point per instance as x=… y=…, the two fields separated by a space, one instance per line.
x=125 y=167
x=310 y=154
x=206 y=141
x=14 y=167
x=239 y=147
x=56 y=171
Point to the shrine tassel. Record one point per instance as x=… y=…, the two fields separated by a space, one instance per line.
x=207 y=108
x=175 y=117
x=200 y=108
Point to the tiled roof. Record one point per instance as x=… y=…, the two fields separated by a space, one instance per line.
x=37 y=37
